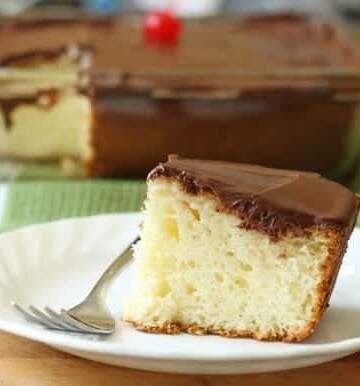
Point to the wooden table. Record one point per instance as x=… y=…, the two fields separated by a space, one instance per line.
x=25 y=363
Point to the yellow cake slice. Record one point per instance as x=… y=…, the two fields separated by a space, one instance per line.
x=238 y=250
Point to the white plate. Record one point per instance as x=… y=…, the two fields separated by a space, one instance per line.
x=3 y=192
x=55 y=264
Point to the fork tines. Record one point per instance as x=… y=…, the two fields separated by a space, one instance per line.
x=54 y=320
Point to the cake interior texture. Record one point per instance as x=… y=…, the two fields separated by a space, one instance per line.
x=46 y=109
x=61 y=129
x=199 y=270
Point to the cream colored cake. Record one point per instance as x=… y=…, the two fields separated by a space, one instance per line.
x=46 y=108
x=237 y=250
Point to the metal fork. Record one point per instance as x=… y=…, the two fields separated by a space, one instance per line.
x=91 y=315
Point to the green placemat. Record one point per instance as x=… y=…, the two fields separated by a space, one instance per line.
x=38 y=195
x=29 y=201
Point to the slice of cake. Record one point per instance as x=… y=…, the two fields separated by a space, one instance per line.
x=238 y=250
x=46 y=105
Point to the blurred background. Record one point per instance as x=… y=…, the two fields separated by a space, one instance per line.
x=280 y=91
x=187 y=8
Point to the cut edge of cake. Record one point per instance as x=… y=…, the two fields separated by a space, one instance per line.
x=43 y=92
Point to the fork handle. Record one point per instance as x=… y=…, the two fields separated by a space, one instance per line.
x=111 y=272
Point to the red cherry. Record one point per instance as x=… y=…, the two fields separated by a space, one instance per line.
x=161 y=27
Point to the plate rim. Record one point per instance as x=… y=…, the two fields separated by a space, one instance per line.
x=59 y=339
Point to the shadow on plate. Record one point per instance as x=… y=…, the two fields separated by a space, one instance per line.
x=338 y=323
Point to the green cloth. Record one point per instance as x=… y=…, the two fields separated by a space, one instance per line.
x=39 y=193
x=34 y=201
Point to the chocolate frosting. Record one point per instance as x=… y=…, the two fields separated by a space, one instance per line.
x=299 y=52
x=273 y=201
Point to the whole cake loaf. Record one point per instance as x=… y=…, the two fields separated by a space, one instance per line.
x=238 y=250
x=209 y=96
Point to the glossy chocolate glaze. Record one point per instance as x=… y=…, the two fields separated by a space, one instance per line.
x=273 y=201
x=201 y=60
